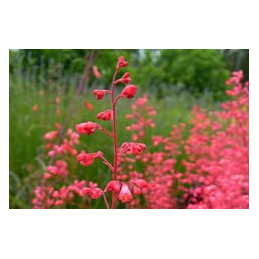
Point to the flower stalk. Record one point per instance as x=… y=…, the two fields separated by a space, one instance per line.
x=120 y=190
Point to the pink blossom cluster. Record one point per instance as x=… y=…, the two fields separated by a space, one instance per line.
x=141 y=113
x=217 y=168
x=203 y=164
x=47 y=197
x=67 y=145
x=60 y=168
x=125 y=190
x=157 y=166
x=207 y=169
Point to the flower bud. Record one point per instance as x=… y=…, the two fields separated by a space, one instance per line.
x=99 y=94
x=129 y=91
x=51 y=135
x=87 y=128
x=96 y=193
x=132 y=148
x=122 y=62
x=87 y=159
x=113 y=186
x=89 y=106
x=96 y=72
x=105 y=115
x=125 y=78
x=140 y=183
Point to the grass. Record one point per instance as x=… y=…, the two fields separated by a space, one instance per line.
x=26 y=129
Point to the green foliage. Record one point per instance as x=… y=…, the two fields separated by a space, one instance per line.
x=198 y=70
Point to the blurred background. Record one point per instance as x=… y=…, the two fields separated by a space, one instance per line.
x=44 y=83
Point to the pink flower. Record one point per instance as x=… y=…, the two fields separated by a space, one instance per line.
x=113 y=186
x=55 y=194
x=122 y=62
x=86 y=191
x=60 y=168
x=61 y=164
x=132 y=148
x=136 y=190
x=59 y=203
x=105 y=115
x=87 y=128
x=99 y=94
x=125 y=79
x=139 y=183
x=96 y=72
x=51 y=135
x=51 y=153
x=47 y=176
x=52 y=169
x=89 y=106
x=87 y=159
x=141 y=101
x=157 y=140
x=129 y=91
x=95 y=193
x=73 y=137
x=125 y=194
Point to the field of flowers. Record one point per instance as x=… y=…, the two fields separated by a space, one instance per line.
x=121 y=148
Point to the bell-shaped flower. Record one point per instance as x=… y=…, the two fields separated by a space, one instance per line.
x=99 y=94
x=87 y=128
x=86 y=159
x=125 y=194
x=129 y=91
x=105 y=115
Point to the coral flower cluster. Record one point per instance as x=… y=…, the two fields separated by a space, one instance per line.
x=48 y=197
x=207 y=169
x=203 y=164
x=218 y=153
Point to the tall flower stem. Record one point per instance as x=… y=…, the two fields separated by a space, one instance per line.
x=115 y=141
x=105 y=201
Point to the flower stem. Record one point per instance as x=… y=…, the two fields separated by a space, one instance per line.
x=115 y=143
x=105 y=161
x=106 y=132
x=106 y=202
